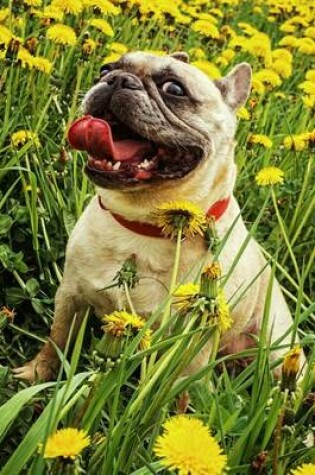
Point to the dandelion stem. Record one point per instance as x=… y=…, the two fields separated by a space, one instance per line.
x=285 y=236
x=214 y=351
x=128 y=297
x=278 y=438
x=167 y=310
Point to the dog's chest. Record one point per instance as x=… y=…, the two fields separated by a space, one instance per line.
x=153 y=267
x=98 y=250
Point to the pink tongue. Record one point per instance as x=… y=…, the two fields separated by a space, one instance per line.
x=95 y=137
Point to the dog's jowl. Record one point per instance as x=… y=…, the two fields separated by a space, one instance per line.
x=157 y=129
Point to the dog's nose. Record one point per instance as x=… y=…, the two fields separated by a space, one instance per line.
x=124 y=81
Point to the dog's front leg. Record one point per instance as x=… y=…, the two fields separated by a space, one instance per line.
x=45 y=365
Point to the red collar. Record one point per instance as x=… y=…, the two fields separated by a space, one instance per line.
x=147 y=229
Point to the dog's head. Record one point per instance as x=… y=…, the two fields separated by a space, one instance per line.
x=159 y=119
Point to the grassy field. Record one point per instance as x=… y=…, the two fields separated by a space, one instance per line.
x=50 y=54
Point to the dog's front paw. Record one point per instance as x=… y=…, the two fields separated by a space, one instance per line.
x=36 y=370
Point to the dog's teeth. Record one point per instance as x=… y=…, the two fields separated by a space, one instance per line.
x=98 y=164
x=144 y=165
x=109 y=166
x=116 y=166
x=103 y=165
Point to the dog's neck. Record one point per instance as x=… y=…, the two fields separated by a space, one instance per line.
x=212 y=181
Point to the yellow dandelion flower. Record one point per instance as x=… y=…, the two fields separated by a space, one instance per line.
x=282 y=67
x=213 y=271
x=67 y=443
x=118 y=48
x=21 y=137
x=305 y=469
x=295 y=142
x=42 y=64
x=5 y=35
x=184 y=295
x=259 y=45
x=283 y=54
x=310 y=75
x=207 y=17
x=208 y=68
x=306 y=46
x=33 y=3
x=247 y=28
x=258 y=86
x=88 y=46
x=290 y=41
x=308 y=87
x=176 y=215
x=206 y=29
x=74 y=7
x=261 y=139
x=268 y=77
x=51 y=13
x=122 y=323
x=104 y=6
x=227 y=31
x=223 y=317
x=228 y=54
x=4 y=12
x=187 y=446
x=111 y=58
x=238 y=43
x=62 y=34
x=269 y=176
x=25 y=58
x=197 y=53
x=217 y=12
x=243 y=113
x=287 y=27
x=310 y=32
x=103 y=26
x=309 y=101
x=221 y=61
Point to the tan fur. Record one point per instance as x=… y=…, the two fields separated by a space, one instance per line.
x=99 y=245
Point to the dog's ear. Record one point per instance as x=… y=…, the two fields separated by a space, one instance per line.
x=235 y=87
x=181 y=56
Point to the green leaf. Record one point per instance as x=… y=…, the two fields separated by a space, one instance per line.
x=10 y=410
x=15 y=296
x=5 y=224
x=32 y=287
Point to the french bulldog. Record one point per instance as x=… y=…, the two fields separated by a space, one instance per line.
x=158 y=129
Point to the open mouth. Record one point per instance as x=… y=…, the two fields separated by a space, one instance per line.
x=118 y=155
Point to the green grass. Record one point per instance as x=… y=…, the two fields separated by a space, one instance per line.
x=42 y=194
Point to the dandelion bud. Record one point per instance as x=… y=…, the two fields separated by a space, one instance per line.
x=110 y=346
x=119 y=327
x=87 y=48
x=128 y=273
x=290 y=369
x=209 y=280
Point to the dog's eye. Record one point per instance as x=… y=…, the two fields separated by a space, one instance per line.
x=173 y=88
x=105 y=69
